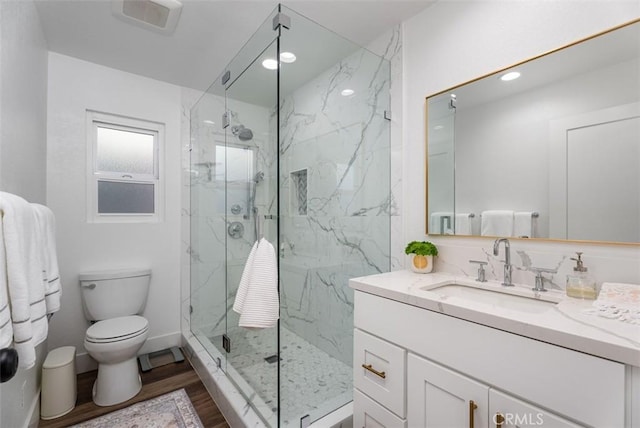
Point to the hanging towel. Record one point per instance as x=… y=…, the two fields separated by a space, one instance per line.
x=6 y=330
x=24 y=276
x=523 y=224
x=441 y=222
x=463 y=224
x=51 y=275
x=618 y=301
x=497 y=223
x=259 y=307
x=243 y=288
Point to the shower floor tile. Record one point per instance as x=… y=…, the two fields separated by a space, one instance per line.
x=312 y=381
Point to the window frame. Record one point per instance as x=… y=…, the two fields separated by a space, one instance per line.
x=97 y=120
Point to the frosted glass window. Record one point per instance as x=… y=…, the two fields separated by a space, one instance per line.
x=125 y=169
x=125 y=198
x=124 y=151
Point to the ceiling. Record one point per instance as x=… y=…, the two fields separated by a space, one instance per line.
x=208 y=35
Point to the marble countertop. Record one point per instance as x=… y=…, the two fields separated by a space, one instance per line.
x=564 y=323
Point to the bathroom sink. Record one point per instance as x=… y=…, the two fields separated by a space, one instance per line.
x=508 y=298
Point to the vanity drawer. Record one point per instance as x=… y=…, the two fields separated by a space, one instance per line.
x=379 y=369
x=369 y=414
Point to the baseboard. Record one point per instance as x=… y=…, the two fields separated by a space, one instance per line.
x=159 y=343
x=84 y=363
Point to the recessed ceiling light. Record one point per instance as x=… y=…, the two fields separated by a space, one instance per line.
x=287 y=57
x=270 y=64
x=512 y=75
x=347 y=92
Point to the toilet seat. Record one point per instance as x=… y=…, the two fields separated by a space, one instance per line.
x=117 y=329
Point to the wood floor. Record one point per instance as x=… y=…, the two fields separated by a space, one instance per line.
x=158 y=381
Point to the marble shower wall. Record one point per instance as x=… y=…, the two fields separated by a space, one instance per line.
x=335 y=201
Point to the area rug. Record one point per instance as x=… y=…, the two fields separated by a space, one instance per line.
x=172 y=410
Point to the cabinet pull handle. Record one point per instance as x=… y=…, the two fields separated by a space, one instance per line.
x=472 y=407
x=374 y=371
x=499 y=420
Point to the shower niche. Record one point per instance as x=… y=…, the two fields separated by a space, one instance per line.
x=283 y=157
x=298 y=193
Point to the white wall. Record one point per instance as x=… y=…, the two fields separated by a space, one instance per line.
x=23 y=104
x=23 y=115
x=74 y=87
x=453 y=42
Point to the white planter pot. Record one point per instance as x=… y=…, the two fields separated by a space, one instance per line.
x=421 y=264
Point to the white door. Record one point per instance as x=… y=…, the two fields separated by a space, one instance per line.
x=594 y=182
x=440 y=398
x=508 y=412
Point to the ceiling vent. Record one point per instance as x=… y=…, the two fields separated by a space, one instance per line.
x=157 y=15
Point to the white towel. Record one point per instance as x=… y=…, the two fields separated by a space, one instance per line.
x=463 y=224
x=441 y=222
x=497 y=223
x=51 y=274
x=259 y=306
x=24 y=276
x=243 y=288
x=618 y=301
x=523 y=224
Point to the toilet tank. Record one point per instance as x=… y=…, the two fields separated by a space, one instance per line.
x=114 y=293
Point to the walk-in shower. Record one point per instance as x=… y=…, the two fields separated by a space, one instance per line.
x=311 y=176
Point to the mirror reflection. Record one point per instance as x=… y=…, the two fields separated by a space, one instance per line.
x=549 y=148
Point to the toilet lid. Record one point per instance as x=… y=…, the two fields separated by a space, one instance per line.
x=116 y=329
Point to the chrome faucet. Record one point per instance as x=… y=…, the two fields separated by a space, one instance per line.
x=507 y=260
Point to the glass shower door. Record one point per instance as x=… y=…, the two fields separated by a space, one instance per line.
x=251 y=192
x=208 y=224
x=334 y=209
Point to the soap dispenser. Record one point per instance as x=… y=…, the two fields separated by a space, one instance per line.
x=580 y=284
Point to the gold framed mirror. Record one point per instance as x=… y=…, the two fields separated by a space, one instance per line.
x=552 y=152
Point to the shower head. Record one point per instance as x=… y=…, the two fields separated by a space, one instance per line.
x=243 y=133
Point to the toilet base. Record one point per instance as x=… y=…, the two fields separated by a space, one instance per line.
x=116 y=383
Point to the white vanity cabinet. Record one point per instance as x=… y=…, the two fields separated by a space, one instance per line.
x=444 y=398
x=449 y=372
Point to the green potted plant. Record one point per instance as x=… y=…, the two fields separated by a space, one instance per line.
x=423 y=253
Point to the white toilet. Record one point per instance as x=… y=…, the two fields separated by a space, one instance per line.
x=113 y=299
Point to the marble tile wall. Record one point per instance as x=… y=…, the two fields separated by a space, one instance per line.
x=342 y=142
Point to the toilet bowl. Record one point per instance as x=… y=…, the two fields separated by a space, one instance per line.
x=113 y=300
x=114 y=344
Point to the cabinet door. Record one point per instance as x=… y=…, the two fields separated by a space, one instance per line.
x=508 y=412
x=441 y=398
x=368 y=413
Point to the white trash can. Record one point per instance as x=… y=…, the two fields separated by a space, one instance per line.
x=59 y=391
